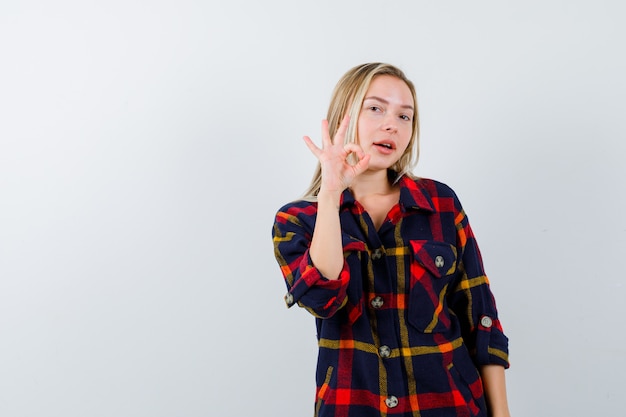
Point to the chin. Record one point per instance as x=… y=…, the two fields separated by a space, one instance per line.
x=387 y=163
x=379 y=167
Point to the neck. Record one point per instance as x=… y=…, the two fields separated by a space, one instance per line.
x=371 y=183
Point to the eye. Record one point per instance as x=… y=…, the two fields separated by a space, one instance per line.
x=374 y=108
x=405 y=117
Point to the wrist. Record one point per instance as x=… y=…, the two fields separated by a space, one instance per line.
x=329 y=196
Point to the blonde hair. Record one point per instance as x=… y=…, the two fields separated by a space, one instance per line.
x=348 y=96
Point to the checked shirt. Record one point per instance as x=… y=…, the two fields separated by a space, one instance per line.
x=411 y=317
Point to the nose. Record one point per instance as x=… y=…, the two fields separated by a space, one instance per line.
x=389 y=124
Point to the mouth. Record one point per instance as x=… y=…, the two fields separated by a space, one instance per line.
x=385 y=145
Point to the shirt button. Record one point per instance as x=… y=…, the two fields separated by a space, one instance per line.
x=391 y=401
x=439 y=262
x=486 y=321
x=377 y=302
x=377 y=254
x=289 y=299
x=384 y=351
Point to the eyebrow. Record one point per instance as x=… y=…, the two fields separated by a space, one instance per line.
x=404 y=106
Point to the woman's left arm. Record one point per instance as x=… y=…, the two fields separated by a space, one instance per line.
x=481 y=327
x=495 y=390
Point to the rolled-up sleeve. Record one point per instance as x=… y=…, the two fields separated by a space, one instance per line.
x=306 y=286
x=473 y=302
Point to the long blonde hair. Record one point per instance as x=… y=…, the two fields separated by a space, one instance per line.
x=348 y=96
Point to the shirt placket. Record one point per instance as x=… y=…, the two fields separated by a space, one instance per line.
x=380 y=299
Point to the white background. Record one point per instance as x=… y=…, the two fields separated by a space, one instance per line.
x=146 y=145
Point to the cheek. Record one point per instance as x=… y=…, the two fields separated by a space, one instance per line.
x=405 y=149
x=363 y=124
x=363 y=129
x=407 y=136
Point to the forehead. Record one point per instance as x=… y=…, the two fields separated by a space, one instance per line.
x=389 y=87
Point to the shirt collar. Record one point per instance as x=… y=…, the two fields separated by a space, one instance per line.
x=347 y=199
x=412 y=196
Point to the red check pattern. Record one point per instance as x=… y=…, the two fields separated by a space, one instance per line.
x=411 y=317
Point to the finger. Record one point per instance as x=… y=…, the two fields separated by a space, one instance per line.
x=343 y=128
x=362 y=165
x=354 y=148
x=362 y=160
x=326 y=142
x=312 y=146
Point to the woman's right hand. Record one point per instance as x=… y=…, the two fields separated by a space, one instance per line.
x=337 y=172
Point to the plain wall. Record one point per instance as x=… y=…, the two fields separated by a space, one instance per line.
x=146 y=145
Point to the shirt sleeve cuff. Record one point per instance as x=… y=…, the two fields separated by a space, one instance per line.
x=491 y=343
x=320 y=295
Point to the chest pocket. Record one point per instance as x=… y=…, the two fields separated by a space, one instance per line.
x=432 y=269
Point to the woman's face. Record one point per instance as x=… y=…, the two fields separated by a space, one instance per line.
x=385 y=122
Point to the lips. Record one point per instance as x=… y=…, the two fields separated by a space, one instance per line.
x=385 y=146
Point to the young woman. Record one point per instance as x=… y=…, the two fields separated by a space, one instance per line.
x=390 y=268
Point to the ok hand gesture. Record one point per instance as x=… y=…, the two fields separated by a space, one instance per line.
x=337 y=173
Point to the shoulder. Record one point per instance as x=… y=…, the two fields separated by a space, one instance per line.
x=298 y=211
x=432 y=188
x=430 y=194
x=298 y=206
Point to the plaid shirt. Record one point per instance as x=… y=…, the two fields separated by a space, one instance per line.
x=411 y=317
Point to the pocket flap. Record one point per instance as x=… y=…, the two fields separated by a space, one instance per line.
x=438 y=258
